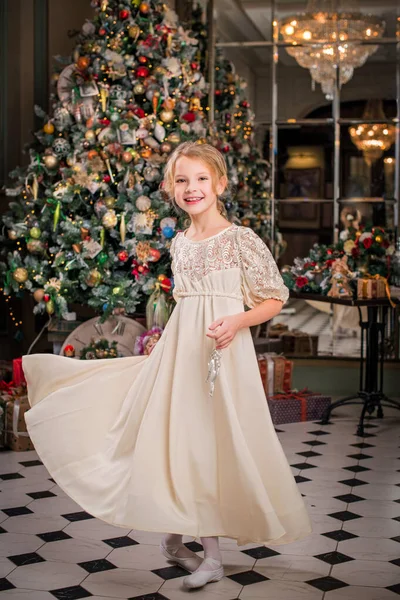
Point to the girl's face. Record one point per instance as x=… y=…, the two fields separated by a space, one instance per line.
x=194 y=189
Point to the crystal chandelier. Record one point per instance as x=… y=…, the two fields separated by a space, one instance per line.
x=329 y=29
x=373 y=139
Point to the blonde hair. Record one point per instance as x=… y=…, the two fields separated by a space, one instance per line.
x=208 y=155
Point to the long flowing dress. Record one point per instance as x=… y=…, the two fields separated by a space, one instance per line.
x=138 y=441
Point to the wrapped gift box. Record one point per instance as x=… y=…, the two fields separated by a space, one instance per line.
x=299 y=343
x=292 y=407
x=276 y=372
x=13 y=405
x=371 y=288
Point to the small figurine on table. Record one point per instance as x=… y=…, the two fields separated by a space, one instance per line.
x=340 y=279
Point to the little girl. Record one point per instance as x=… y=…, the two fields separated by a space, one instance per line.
x=180 y=441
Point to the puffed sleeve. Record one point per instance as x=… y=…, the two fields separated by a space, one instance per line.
x=261 y=279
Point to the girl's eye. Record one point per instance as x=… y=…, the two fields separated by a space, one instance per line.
x=179 y=181
x=204 y=178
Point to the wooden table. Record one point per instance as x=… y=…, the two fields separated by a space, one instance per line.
x=370 y=394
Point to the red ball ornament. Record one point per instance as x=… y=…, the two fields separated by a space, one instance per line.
x=189 y=117
x=123 y=14
x=46 y=297
x=225 y=149
x=142 y=72
x=123 y=255
x=106 y=178
x=105 y=122
x=139 y=112
x=166 y=284
x=218 y=92
x=154 y=255
x=102 y=31
x=142 y=59
x=245 y=104
x=194 y=66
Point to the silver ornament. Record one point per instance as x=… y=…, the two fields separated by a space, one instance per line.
x=61 y=147
x=214 y=365
x=150 y=174
x=62 y=118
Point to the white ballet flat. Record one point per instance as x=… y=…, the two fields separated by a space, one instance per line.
x=200 y=578
x=191 y=563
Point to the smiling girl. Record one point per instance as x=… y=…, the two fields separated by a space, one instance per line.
x=181 y=441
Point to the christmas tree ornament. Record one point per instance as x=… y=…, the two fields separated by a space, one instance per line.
x=61 y=147
x=169 y=103
x=143 y=60
x=35 y=246
x=90 y=135
x=144 y=8
x=91 y=154
x=69 y=351
x=166 y=147
x=35 y=233
x=139 y=89
x=38 y=295
x=174 y=138
x=56 y=216
x=109 y=219
x=127 y=157
x=154 y=255
x=168 y=222
x=151 y=174
x=159 y=132
x=48 y=128
x=83 y=62
x=46 y=297
x=143 y=203
x=102 y=258
x=51 y=161
x=167 y=116
x=77 y=248
x=84 y=233
x=166 y=284
x=122 y=228
x=12 y=234
x=20 y=275
x=195 y=104
x=151 y=142
x=134 y=32
x=168 y=232
x=123 y=256
x=102 y=237
x=142 y=72
x=123 y=14
x=103 y=99
x=50 y=308
x=145 y=153
x=93 y=278
x=110 y=201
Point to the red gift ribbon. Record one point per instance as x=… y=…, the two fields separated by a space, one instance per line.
x=302 y=395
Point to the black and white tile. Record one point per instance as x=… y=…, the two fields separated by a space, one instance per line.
x=50 y=548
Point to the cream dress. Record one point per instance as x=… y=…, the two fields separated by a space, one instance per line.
x=138 y=442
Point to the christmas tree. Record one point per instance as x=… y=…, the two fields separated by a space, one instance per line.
x=88 y=222
x=234 y=137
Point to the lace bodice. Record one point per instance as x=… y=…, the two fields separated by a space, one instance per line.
x=236 y=247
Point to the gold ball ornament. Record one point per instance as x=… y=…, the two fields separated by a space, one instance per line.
x=90 y=135
x=174 y=138
x=145 y=153
x=167 y=116
x=20 y=275
x=48 y=128
x=169 y=104
x=94 y=278
x=38 y=295
x=35 y=246
x=51 y=161
x=50 y=307
x=110 y=219
x=378 y=239
x=12 y=234
x=110 y=201
x=117 y=290
x=358 y=234
x=71 y=160
x=139 y=89
x=134 y=31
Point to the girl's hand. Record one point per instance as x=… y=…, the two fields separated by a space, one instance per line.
x=224 y=330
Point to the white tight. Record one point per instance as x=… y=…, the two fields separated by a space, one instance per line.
x=173 y=541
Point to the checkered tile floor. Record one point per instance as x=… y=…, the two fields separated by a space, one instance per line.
x=50 y=548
